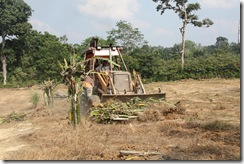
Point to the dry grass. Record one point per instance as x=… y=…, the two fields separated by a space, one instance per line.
x=92 y=141
x=193 y=130
x=219 y=107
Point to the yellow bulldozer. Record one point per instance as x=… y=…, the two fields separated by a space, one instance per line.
x=112 y=80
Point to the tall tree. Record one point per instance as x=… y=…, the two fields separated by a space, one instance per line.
x=221 y=45
x=127 y=36
x=14 y=16
x=185 y=12
x=221 y=42
x=101 y=42
x=45 y=50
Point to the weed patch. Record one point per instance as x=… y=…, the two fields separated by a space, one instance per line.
x=13 y=117
x=35 y=99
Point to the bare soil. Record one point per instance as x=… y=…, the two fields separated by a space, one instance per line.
x=207 y=129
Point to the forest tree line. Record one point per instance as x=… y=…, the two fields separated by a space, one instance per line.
x=29 y=57
x=34 y=57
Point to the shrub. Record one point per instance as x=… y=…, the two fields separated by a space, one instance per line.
x=35 y=99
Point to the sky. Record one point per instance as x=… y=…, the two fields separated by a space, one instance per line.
x=79 y=19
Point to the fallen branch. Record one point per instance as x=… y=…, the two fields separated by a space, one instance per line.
x=120 y=119
x=138 y=153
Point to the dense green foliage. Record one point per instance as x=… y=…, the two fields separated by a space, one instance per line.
x=163 y=64
x=33 y=57
x=14 y=23
x=127 y=36
x=14 y=16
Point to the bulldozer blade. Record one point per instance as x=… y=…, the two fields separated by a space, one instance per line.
x=127 y=97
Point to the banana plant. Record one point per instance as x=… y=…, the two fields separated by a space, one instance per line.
x=74 y=74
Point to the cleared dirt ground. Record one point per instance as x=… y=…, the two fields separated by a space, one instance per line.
x=208 y=129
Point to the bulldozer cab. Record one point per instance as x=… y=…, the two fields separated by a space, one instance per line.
x=104 y=59
x=112 y=78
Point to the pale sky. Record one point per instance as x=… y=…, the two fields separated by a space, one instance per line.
x=79 y=19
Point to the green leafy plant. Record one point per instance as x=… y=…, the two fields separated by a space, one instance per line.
x=74 y=74
x=35 y=99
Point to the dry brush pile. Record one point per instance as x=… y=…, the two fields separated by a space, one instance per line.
x=135 y=109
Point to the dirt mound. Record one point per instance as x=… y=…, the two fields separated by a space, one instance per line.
x=42 y=111
x=161 y=111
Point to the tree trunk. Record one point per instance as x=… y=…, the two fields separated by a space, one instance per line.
x=182 y=31
x=3 y=60
x=183 y=50
x=4 y=67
